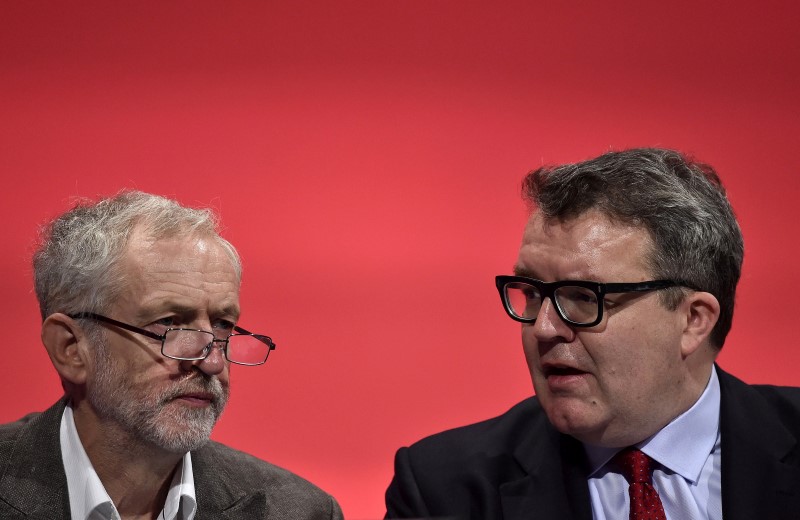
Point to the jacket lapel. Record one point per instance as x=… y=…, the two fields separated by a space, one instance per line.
x=555 y=487
x=760 y=456
x=219 y=494
x=245 y=506
x=760 y=465
x=33 y=481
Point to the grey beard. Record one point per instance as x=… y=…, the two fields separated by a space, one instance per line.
x=149 y=418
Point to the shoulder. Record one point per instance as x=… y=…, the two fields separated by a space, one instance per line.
x=10 y=431
x=239 y=464
x=776 y=403
x=10 y=434
x=783 y=396
x=492 y=436
x=785 y=401
x=488 y=450
x=786 y=398
x=236 y=470
x=461 y=471
x=32 y=427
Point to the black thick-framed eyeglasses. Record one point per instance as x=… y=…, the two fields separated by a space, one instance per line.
x=242 y=348
x=577 y=302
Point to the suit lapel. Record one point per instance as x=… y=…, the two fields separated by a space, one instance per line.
x=219 y=495
x=760 y=457
x=245 y=506
x=33 y=480
x=555 y=487
x=760 y=465
x=33 y=483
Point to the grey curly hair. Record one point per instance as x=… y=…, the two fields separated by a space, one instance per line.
x=75 y=264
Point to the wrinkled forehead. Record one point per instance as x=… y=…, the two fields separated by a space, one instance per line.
x=143 y=238
x=183 y=274
x=593 y=221
x=590 y=245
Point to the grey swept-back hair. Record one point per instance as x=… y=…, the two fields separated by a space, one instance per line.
x=680 y=202
x=76 y=265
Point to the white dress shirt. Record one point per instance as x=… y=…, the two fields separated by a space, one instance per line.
x=686 y=471
x=88 y=499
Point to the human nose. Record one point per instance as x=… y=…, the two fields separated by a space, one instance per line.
x=214 y=362
x=549 y=326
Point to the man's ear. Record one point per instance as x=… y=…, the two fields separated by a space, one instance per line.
x=701 y=310
x=65 y=342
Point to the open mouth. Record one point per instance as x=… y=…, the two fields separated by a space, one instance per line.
x=562 y=371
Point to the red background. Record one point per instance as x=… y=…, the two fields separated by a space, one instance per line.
x=366 y=158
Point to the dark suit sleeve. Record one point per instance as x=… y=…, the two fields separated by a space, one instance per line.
x=403 y=498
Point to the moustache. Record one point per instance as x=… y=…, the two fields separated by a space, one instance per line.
x=198 y=384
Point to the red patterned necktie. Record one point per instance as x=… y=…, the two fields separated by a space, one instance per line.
x=645 y=502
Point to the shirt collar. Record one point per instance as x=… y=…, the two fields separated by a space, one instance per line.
x=695 y=431
x=181 y=503
x=89 y=499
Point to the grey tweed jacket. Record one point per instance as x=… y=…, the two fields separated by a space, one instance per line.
x=229 y=484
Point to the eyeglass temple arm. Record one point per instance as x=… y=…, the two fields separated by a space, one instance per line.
x=260 y=337
x=613 y=288
x=131 y=328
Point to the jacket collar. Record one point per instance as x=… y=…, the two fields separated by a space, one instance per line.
x=33 y=480
x=219 y=494
x=760 y=456
x=760 y=464
x=555 y=485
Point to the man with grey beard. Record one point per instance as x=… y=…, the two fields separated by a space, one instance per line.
x=140 y=306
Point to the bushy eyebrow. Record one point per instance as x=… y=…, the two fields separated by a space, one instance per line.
x=232 y=311
x=149 y=311
x=184 y=311
x=522 y=271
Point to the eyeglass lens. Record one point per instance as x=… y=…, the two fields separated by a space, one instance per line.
x=577 y=304
x=191 y=344
x=186 y=344
x=247 y=350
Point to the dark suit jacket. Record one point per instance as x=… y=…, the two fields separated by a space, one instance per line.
x=229 y=484
x=517 y=466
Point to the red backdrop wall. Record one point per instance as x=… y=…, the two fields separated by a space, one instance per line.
x=366 y=158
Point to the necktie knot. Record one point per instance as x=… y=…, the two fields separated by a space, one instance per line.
x=635 y=465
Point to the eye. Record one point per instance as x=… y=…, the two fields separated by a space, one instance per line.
x=161 y=325
x=167 y=321
x=531 y=293
x=578 y=295
x=223 y=326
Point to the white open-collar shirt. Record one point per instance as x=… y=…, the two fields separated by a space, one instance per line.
x=88 y=499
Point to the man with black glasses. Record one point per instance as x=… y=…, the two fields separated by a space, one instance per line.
x=140 y=305
x=624 y=288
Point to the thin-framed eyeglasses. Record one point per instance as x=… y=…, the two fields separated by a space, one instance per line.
x=577 y=302
x=242 y=348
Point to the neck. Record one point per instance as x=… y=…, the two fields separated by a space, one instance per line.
x=136 y=475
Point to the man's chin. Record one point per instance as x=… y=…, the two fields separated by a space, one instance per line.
x=179 y=429
x=180 y=442
x=572 y=419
